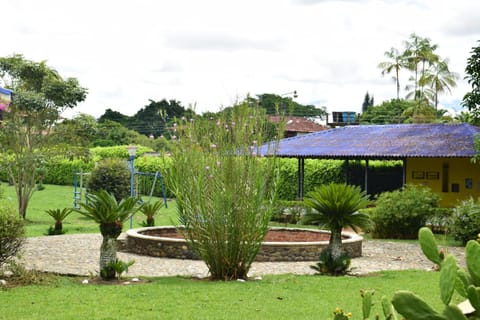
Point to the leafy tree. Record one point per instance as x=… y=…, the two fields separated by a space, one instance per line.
x=394 y=64
x=336 y=207
x=367 y=102
x=275 y=104
x=471 y=100
x=81 y=130
x=116 y=116
x=388 y=112
x=40 y=95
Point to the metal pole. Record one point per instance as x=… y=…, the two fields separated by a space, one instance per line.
x=132 y=184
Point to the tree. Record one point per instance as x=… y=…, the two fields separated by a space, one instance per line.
x=388 y=112
x=367 y=102
x=336 y=207
x=40 y=95
x=396 y=62
x=275 y=104
x=471 y=100
x=440 y=79
x=419 y=51
x=104 y=209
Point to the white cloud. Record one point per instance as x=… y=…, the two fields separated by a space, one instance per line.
x=211 y=53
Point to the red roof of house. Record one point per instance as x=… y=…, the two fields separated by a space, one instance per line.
x=299 y=124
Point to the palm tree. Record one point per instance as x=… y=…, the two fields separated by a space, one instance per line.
x=59 y=215
x=103 y=208
x=336 y=207
x=440 y=79
x=395 y=63
x=150 y=210
x=419 y=50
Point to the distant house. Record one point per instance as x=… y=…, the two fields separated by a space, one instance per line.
x=435 y=155
x=296 y=126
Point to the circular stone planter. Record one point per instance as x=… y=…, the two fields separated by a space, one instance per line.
x=281 y=244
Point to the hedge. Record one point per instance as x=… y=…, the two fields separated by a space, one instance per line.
x=383 y=175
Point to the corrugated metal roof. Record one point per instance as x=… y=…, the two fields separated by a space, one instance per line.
x=383 y=142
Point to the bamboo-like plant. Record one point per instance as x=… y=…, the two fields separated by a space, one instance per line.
x=103 y=208
x=224 y=191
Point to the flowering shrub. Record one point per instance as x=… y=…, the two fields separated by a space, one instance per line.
x=466 y=220
x=225 y=193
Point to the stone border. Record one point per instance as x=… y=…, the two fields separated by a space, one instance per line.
x=168 y=247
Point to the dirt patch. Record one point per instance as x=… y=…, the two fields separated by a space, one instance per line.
x=272 y=235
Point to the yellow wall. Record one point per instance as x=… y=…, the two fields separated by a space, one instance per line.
x=430 y=172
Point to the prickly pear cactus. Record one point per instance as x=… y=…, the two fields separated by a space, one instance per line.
x=429 y=246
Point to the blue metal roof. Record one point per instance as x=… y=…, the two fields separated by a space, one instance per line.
x=382 y=142
x=6 y=91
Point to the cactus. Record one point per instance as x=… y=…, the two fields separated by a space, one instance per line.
x=388 y=310
x=367 y=303
x=429 y=246
x=448 y=277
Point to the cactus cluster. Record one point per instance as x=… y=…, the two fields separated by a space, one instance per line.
x=452 y=278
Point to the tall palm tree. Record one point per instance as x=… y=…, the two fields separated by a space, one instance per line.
x=103 y=208
x=336 y=207
x=394 y=64
x=419 y=51
x=440 y=79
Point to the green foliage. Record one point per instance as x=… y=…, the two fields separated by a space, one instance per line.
x=11 y=233
x=429 y=246
x=336 y=207
x=331 y=264
x=40 y=95
x=118 y=151
x=150 y=210
x=224 y=192
x=118 y=267
x=58 y=215
x=111 y=175
x=472 y=99
x=103 y=208
x=466 y=220
x=387 y=112
x=401 y=213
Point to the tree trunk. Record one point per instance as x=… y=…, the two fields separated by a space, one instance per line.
x=335 y=242
x=108 y=254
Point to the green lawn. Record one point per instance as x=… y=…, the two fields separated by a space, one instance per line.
x=53 y=197
x=274 y=297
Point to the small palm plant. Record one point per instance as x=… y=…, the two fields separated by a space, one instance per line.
x=103 y=208
x=59 y=215
x=336 y=207
x=150 y=210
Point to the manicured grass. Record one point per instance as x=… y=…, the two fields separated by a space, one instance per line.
x=53 y=197
x=274 y=297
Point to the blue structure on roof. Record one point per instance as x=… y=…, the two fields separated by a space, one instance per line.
x=396 y=141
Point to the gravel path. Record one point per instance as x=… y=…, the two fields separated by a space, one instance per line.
x=78 y=254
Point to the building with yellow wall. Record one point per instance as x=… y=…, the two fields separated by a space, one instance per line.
x=435 y=155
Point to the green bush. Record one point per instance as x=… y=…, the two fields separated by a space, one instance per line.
x=113 y=176
x=466 y=220
x=400 y=213
x=60 y=171
x=11 y=233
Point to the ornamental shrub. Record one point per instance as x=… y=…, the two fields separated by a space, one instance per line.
x=400 y=213
x=225 y=193
x=466 y=220
x=113 y=176
x=11 y=233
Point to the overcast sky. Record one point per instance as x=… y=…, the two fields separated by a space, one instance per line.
x=210 y=53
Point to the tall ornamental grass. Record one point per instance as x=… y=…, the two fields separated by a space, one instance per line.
x=225 y=192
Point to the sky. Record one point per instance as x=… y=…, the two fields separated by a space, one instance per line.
x=209 y=54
